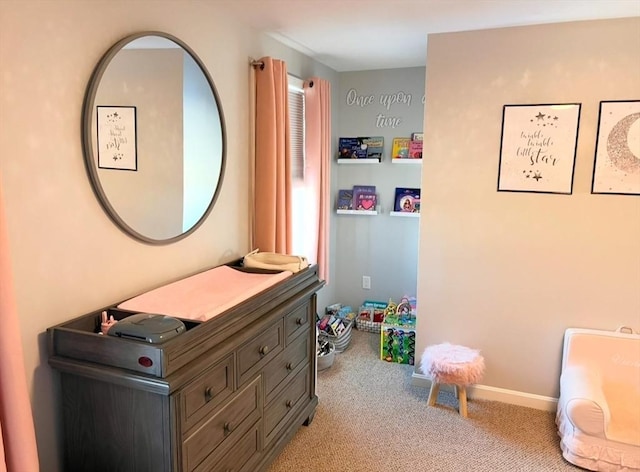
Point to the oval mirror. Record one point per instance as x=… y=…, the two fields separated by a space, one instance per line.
x=154 y=137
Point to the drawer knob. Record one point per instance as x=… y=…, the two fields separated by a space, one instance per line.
x=264 y=350
x=208 y=394
x=289 y=366
x=298 y=321
x=228 y=428
x=289 y=404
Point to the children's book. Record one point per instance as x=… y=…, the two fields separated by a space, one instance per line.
x=375 y=147
x=407 y=200
x=415 y=149
x=400 y=148
x=337 y=327
x=417 y=136
x=345 y=199
x=366 y=201
x=362 y=189
x=351 y=148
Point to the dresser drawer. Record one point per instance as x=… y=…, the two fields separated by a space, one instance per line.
x=296 y=322
x=285 y=365
x=285 y=404
x=242 y=457
x=255 y=353
x=228 y=424
x=204 y=394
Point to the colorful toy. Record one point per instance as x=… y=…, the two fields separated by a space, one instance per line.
x=397 y=334
x=398 y=345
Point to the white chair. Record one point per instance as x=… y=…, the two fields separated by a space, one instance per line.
x=598 y=414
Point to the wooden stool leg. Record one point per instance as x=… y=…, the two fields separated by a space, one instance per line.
x=462 y=393
x=433 y=393
x=456 y=392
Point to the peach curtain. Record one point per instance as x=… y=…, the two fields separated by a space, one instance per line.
x=18 y=452
x=272 y=170
x=317 y=94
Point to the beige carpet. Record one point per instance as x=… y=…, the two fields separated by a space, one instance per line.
x=371 y=419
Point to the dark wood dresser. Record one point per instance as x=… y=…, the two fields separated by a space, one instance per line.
x=225 y=395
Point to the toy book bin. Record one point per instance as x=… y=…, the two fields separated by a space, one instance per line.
x=598 y=415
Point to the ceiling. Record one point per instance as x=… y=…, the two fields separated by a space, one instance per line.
x=352 y=35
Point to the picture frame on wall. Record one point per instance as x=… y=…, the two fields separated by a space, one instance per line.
x=117 y=140
x=616 y=167
x=538 y=148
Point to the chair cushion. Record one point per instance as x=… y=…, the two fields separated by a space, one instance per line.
x=452 y=364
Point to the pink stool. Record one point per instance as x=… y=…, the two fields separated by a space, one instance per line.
x=454 y=365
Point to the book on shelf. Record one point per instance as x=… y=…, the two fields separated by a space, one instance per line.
x=375 y=147
x=400 y=148
x=415 y=145
x=361 y=148
x=345 y=199
x=351 y=148
x=361 y=189
x=407 y=200
x=366 y=201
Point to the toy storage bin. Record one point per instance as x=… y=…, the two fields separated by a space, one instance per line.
x=326 y=355
x=369 y=326
x=341 y=342
x=371 y=316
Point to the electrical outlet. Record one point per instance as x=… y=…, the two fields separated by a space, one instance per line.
x=366 y=282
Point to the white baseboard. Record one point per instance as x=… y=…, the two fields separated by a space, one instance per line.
x=485 y=392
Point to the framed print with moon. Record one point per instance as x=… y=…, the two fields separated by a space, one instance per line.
x=616 y=169
x=538 y=148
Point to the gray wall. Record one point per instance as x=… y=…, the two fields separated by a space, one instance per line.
x=387 y=103
x=508 y=272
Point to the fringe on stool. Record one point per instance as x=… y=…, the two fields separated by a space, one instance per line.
x=452 y=364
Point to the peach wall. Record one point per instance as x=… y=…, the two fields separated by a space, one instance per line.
x=68 y=257
x=508 y=272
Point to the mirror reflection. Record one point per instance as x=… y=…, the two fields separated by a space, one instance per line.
x=154 y=137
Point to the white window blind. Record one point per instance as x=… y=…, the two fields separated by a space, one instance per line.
x=296 y=124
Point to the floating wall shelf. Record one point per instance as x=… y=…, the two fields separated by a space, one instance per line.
x=358 y=161
x=357 y=212
x=405 y=214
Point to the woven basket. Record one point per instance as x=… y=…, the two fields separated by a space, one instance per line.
x=341 y=342
x=366 y=325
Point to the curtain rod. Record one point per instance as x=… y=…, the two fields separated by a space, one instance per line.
x=260 y=64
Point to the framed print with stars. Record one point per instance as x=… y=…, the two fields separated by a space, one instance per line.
x=538 y=148
x=616 y=169
x=117 y=146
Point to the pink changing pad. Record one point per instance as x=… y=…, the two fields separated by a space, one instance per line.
x=205 y=295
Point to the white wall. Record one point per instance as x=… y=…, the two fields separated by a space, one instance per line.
x=67 y=256
x=508 y=272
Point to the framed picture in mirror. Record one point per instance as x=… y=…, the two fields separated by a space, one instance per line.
x=117 y=145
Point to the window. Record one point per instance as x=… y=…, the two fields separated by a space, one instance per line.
x=296 y=123
x=300 y=245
